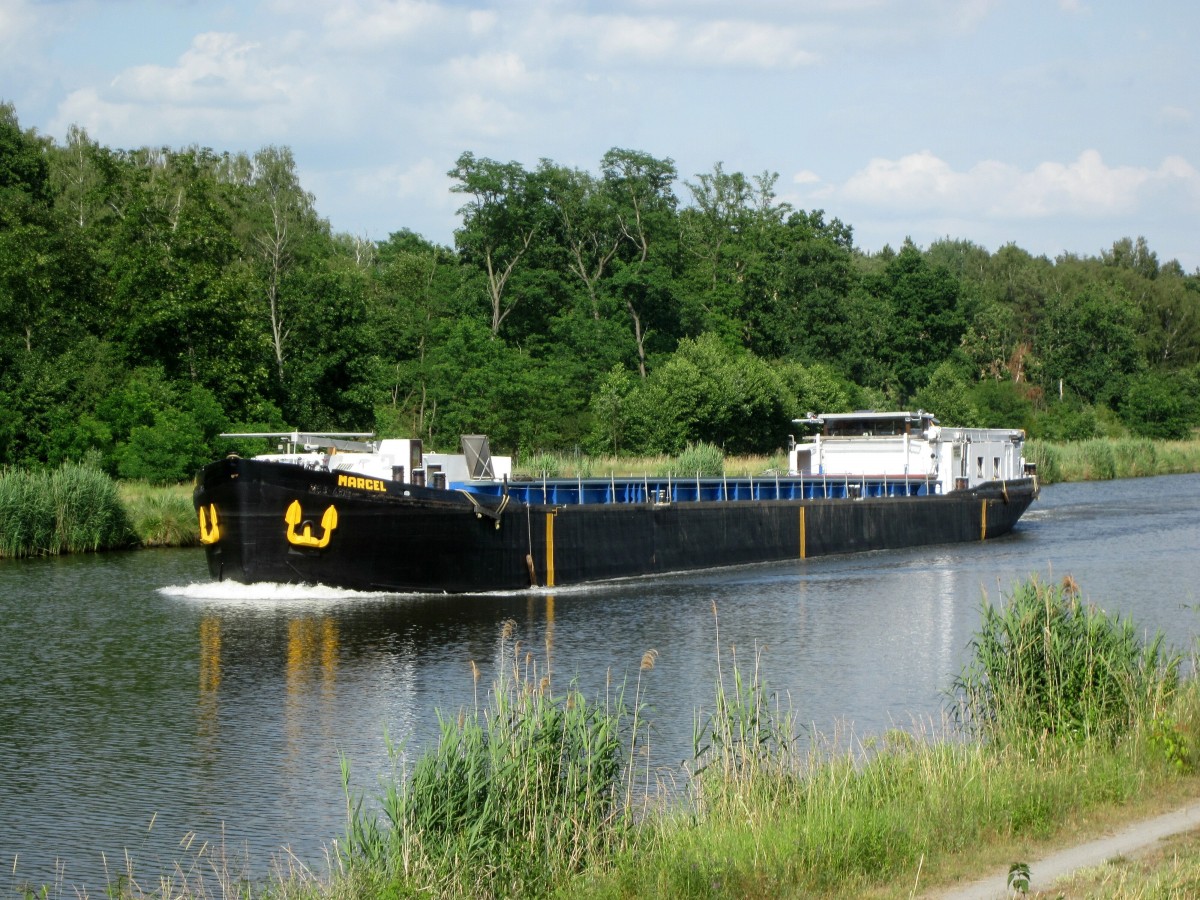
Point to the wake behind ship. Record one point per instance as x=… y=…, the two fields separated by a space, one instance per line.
x=386 y=516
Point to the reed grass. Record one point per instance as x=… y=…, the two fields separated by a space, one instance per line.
x=514 y=798
x=696 y=459
x=568 y=465
x=72 y=509
x=1045 y=663
x=161 y=515
x=1100 y=459
x=540 y=793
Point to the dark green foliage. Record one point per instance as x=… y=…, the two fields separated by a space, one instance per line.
x=706 y=391
x=1002 y=404
x=1162 y=406
x=1089 y=339
x=927 y=316
x=948 y=395
x=1065 y=420
x=576 y=307
x=1045 y=663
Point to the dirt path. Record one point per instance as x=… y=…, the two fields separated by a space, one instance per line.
x=1123 y=842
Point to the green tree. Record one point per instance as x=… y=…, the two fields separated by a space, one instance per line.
x=507 y=209
x=34 y=258
x=415 y=287
x=729 y=231
x=1161 y=406
x=811 y=311
x=176 y=296
x=947 y=395
x=927 y=316
x=707 y=391
x=283 y=222
x=640 y=189
x=1088 y=342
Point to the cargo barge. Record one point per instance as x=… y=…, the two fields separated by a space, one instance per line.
x=340 y=510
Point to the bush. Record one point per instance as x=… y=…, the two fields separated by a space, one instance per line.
x=542 y=465
x=511 y=801
x=1044 y=663
x=72 y=509
x=1157 y=406
x=697 y=459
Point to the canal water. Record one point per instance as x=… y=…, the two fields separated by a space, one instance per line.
x=146 y=712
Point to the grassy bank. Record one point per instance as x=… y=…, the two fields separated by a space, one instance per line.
x=161 y=516
x=1063 y=718
x=1063 y=722
x=71 y=509
x=78 y=509
x=1100 y=459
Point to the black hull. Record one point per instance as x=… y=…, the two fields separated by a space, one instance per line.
x=389 y=536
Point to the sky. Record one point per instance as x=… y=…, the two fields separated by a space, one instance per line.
x=1058 y=125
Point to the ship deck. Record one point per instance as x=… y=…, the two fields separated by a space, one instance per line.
x=673 y=489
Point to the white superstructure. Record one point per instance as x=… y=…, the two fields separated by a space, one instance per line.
x=391 y=459
x=903 y=444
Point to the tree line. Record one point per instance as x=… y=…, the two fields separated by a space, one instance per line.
x=152 y=298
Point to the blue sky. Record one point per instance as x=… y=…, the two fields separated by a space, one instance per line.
x=1060 y=125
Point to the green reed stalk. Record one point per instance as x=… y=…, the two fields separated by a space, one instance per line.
x=1099 y=459
x=1045 y=663
x=72 y=509
x=512 y=799
x=161 y=516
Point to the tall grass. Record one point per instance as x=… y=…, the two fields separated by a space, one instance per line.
x=72 y=509
x=696 y=459
x=513 y=799
x=746 y=739
x=1044 y=662
x=708 y=459
x=161 y=516
x=778 y=816
x=534 y=793
x=1100 y=459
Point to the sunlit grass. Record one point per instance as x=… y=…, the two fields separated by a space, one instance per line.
x=1101 y=459
x=161 y=516
x=704 y=457
x=72 y=509
x=540 y=792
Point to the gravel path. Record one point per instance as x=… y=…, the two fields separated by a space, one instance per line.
x=1043 y=872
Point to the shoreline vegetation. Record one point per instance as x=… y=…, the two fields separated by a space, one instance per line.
x=76 y=508
x=1064 y=721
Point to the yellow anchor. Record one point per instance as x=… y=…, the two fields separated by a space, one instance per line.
x=306 y=539
x=209 y=535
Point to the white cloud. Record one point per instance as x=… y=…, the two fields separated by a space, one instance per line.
x=923 y=184
x=21 y=29
x=504 y=72
x=363 y=24
x=1176 y=115
x=758 y=45
x=221 y=86
x=720 y=43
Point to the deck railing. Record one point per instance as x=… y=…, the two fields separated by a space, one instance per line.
x=672 y=489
